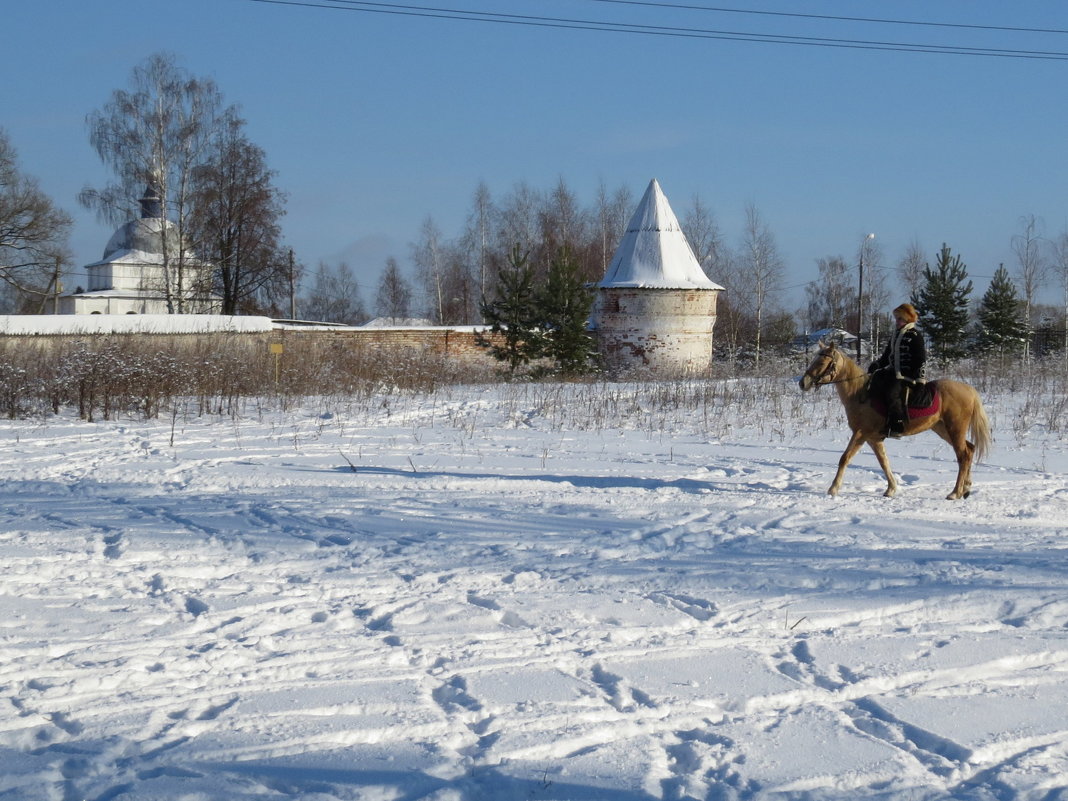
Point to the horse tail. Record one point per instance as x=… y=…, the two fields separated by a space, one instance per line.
x=980 y=429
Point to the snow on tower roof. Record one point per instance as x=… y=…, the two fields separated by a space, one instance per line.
x=654 y=252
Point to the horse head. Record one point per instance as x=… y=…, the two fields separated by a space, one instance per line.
x=822 y=369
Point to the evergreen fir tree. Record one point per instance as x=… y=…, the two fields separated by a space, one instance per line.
x=942 y=303
x=513 y=314
x=563 y=306
x=1002 y=327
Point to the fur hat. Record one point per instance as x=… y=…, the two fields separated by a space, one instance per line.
x=906 y=312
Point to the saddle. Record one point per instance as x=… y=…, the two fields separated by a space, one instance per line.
x=923 y=401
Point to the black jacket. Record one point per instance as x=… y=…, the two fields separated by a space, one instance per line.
x=905 y=355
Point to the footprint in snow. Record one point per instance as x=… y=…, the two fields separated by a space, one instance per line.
x=195 y=606
x=453 y=695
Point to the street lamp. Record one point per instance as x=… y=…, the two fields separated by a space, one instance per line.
x=860 y=293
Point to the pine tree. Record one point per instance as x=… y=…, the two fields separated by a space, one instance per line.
x=942 y=303
x=513 y=314
x=563 y=308
x=1002 y=327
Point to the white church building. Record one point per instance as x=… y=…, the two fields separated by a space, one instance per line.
x=655 y=308
x=132 y=276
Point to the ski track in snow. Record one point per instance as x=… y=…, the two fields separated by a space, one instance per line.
x=313 y=607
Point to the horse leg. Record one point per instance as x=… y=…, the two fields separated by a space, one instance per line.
x=855 y=442
x=964 y=452
x=884 y=462
x=963 y=487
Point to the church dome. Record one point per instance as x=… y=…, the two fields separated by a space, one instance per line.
x=145 y=235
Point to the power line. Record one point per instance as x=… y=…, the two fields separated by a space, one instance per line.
x=829 y=17
x=431 y=12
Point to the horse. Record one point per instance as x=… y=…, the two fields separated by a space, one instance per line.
x=960 y=410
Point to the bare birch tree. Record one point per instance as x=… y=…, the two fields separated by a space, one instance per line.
x=730 y=307
x=428 y=256
x=1060 y=267
x=703 y=233
x=1031 y=265
x=611 y=214
x=874 y=295
x=832 y=296
x=910 y=268
x=478 y=234
x=335 y=296
x=762 y=270
x=518 y=224
x=562 y=217
x=394 y=297
x=157 y=133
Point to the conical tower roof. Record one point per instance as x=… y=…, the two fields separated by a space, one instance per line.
x=654 y=253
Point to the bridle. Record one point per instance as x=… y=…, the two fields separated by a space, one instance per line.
x=827 y=376
x=829 y=373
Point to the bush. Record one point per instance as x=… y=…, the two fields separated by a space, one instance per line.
x=103 y=377
x=154 y=376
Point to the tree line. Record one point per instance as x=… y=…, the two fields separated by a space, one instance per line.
x=1006 y=319
x=455 y=276
x=173 y=130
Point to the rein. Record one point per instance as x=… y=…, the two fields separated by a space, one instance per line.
x=832 y=370
x=841 y=380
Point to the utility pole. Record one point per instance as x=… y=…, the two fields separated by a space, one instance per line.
x=292 y=288
x=860 y=293
x=58 y=288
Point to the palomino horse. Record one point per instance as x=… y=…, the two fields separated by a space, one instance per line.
x=960 y=411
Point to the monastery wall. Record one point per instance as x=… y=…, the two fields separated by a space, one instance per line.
x=453 y=343
x=457 y=344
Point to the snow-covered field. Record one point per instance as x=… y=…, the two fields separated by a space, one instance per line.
x=506 y=593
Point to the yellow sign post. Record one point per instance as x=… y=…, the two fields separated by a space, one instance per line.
x=277 y=350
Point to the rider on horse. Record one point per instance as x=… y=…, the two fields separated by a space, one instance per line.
x=900 y=368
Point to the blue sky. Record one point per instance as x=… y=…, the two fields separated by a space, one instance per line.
x=375 y=121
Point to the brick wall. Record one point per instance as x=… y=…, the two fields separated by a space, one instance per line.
x=452 y=343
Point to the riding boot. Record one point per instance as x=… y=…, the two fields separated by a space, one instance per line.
x=895 y=412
